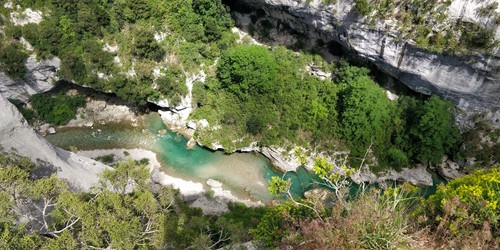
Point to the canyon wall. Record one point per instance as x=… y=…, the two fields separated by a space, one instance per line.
x=470 y=81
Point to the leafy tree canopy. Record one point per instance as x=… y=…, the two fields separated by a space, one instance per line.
x=247 y=71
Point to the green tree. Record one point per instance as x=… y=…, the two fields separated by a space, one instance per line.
x=435 y=133
x=173 y=84
x=145 y=46
x=56 y=110
x=214 y=17
x=126 y=174
x=247 y=71
x=365 y=115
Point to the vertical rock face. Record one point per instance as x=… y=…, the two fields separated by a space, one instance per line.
x=17 y=135
x=471 y=81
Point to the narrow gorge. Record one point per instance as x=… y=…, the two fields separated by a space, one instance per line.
x=256 y=124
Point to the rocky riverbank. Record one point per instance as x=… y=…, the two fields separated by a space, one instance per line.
x=215 y=202
x=100 y=108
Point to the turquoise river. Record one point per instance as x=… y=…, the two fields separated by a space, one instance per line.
x=246 y=174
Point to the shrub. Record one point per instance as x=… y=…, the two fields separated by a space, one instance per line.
x=247 y=71
x=365 y=115
x=145 y=46
x=173 y=84
x=12 y=58
x=468 y=207
x=477 y=37
x=56 y=110
x=398 y=158
x=106 y=159
x=362 y=7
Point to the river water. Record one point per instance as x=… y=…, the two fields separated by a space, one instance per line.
x=247 y=175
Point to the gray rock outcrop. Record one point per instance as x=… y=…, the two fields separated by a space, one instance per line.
x=449 y=169
x=40 y=77
x=417 y=176
x=17 y=135
x=470 y=81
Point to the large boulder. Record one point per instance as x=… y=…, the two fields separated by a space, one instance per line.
x=449 y=169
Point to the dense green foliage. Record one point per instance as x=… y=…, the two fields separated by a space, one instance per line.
x=12 y=58
x=171 y=84
x=424 y=23
x=145 y=46
x=434 y=133
x=247 y=71
x=254 y=102
x=57 y=110
x=267 y=96
x=362 y=7
x=194 y=32
x=365 y=114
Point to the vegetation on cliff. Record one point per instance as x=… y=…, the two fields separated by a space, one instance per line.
x=122 y=42
x=145 y=50
x=461 y=214
x=269 y=96
x=425 y=24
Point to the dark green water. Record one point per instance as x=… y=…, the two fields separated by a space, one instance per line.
x=246 y=174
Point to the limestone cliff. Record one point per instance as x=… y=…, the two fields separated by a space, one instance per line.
x=18 y=136
x=40 y=77
x=471 y=80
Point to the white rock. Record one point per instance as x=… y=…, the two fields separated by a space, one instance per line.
x=214 y=184
x=51 y=130
x=176 y=118
x=160 y=36
x=26 y=17
x=449 y=169
x=391 y=96
x=192 y=125
x=416 y=176
x=186 y=188
x=203 y=123
x=111 y=48
x=8 y=5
